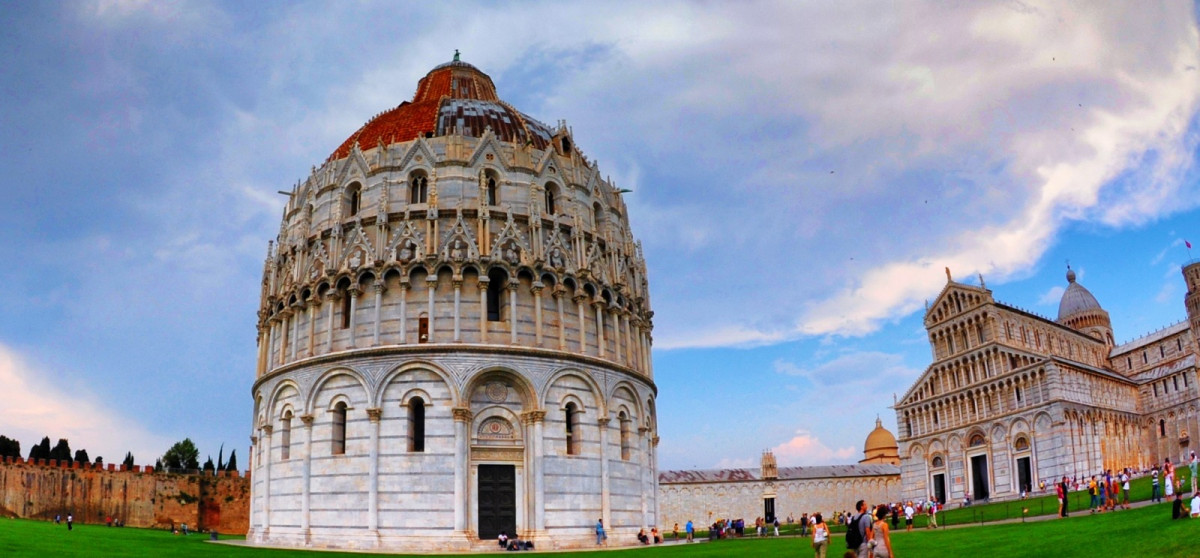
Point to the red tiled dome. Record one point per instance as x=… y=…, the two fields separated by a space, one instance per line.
x=453 y=98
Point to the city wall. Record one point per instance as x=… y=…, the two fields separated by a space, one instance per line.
x=136 y=495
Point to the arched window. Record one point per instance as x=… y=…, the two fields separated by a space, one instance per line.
x=495 y=294
x=1162 y=428
x=551 y=194
x=572 y=422
x=938 y=462
x=347 y=309
x=423 y=328
x=338 y=414
x=416 y=425
x=626 y=443
x=493 y=196
x=353 y=199
x=285 y=436
x=977 y=440
x=418 y=191
x=597 y=215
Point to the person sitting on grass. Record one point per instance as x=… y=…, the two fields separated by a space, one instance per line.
x=1177 y=507
x=1196 y=504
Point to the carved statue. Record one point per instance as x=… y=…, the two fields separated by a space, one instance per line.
x=510 y=254
x=458 y=252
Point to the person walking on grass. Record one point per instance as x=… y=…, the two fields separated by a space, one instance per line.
x=820 y=540
x=908 y=516
x=1192 y=466
x=881 y=541
x=1094 y=492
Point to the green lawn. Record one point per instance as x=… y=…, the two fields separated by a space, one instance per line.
x=1141 y=532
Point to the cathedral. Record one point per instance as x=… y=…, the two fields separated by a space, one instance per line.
x=454 y=339
x=1013 y=398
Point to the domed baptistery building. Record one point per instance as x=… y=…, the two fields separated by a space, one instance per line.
x=454 y=339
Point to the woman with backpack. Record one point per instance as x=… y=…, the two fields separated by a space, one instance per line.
x=820 y=536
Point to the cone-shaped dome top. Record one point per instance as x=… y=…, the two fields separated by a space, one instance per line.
x=1076 y=299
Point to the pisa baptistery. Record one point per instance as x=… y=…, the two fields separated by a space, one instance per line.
x=454 y=339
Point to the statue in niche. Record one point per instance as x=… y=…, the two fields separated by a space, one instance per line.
x=356 y=260
x=406 y=252
x=458 y=252
x=556 y=258
x=511 y=255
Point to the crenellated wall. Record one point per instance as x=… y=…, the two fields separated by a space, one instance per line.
x=138 y=496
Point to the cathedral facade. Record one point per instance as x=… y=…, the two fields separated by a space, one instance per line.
x=1013 y=398
x=454 y=339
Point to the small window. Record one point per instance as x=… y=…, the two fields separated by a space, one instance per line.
x=935 y=417
x=492 y=194
x=418 y=189
x=338 y=415
x=353 y=199
x=551 y=194
x=1162 y=428
x=626 y=443
x=1018 y=392
x=495 y=294
x=1129 y=363
x=1144 y=359
x=1155 y=389
x=285 y=436
x=1179 y=344
x=423 y=329
x=416 y=425
x=566 y=146
x=571 y=416
x=347 y=310
x=938 y=462
x=1162 y=351
x=1175 y=379
x=597 y=215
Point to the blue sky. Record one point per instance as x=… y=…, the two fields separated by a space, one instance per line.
x=801 y=175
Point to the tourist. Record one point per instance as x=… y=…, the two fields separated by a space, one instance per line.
x=1114 y=491
x=691 y=530
x=1169 y=477
x=804 y=524
x=862 y=524
x=881 y=541
x=776 y=526
x=1102 y=489
x=820 y=540
x=600 y=536
x=642 y=538
x=1061 y=491
x=1125 y=487
x=1177 y=508
x=675 y=531
x=933 y=507
x=894 y=510
x=1195 y=504
x=1192 y=465
x=58 y=518
x=1155 y=493
x=1094 y=493
x=908 y=516
x=70 y=521
x=503 y=539
x=185 y=527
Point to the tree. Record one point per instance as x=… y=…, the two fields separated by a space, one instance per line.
x=99 y=461
x=221 y=458
x=231 y=465
x=128 y=461
x=81 y=456
x=40 y=450
x=182 y=455
x=208 y=465
x=9 y=447
x=61 y=451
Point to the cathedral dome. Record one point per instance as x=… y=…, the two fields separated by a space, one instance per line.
x=881 y=446
x=1076 y=300
x=453 y=98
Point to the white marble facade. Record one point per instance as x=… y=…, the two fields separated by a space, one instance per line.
x=454 y=336
x=1014 y=399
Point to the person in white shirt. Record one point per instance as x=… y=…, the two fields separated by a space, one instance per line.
x=908 y=516
x=1196 y=505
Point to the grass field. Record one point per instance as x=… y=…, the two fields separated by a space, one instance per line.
x=1140 y=532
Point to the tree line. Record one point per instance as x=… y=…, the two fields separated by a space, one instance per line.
x=181 y=456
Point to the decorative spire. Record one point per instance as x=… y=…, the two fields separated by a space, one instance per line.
x=456 y=55
x=1070 y=274
x=948 y=279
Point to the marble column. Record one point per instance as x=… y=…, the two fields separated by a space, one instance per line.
x=306 y=486
x=295 y=336
x=483 y=310
x=457 y=308
x=644 y=463
x=403 y=312
x=431 y=284
x=266 y=515
x=379 y=288
x=599 y=304
x=536 y=420
x=512 y=311
x=537 y=312
x=562 y=324
x=271 y=343
x=314 y=306
x=462 y=417
x=334 y=297
x=605 y=494
x=582 y=323
x=353 y=293
x=373 y=415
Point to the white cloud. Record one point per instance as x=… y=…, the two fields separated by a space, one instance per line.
x=739 y=463
x=1052 y=297
x=805 y=449
x=35 y=406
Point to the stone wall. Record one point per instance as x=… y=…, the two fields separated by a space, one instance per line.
x=138 y=496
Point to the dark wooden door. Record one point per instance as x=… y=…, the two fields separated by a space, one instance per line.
x=979 y=474
x=497 y=492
